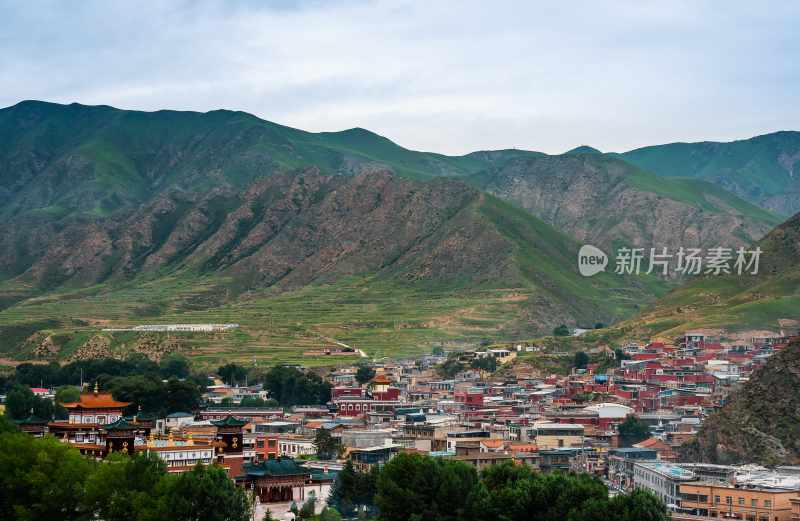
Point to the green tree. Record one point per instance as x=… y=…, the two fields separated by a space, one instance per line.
x=232 y=373
x=639 y=505
x=6 y=425
x=307 y=510
x=412 y=486
x=141 y=391
x=154 y=396
x=450 y=368
x=327 y=446
x=252 y=401
x=21 y=403
x=204 y=493
x=561 y=330
x=633 y=430
x=581 y=360
x=291 y=386
x=486 y=363
x=38 y=375
x=352 y=490
x=330 y=514
x=68 y=394
x=364 y=374
x=125 y=486
x=343 y=493
x=514 y=492
x=41 y=479
x=181 y=395
x=174 y=366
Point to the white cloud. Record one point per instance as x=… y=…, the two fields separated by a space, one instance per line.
x=445 y=76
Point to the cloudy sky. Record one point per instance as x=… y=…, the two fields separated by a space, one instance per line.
x=450 y=76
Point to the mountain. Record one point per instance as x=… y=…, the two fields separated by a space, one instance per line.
x=758 y=424
x=437 y=259
x=605 y=201
x=732 y=304
x=70 y=161
x=583 y=149
x=117 y=218
x=764 y=170
x=98 y=160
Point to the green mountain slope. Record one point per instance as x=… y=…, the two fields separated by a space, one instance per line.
x=58 y=159
x=388 y=263
x=759 y=423
x=605 y=201
x=118 y=217
x=764 y=170
x=733 y=304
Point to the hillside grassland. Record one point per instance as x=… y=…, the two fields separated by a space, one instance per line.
x=383 y=319
x=120 y=218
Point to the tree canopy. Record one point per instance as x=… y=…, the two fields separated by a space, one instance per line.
x=581 y=360
x=364 y=374
x=633 y=430
x=421 y=488
x=155 y=396
x=561 y=330
x=416 y=487
x=42 y=479
x=232 y=373
x=450 y=367
x=352 y=491
x=290 y=386
x=327 y=446
x=21 y=403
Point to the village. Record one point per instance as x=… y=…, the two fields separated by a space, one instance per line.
x=625 y=424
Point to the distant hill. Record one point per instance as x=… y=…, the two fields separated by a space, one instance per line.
x=734 y=303
x=583 y=149
x=98 y=160
x=764 y=170
x=606 y=201
x=439 y=257
x=759 y=422
x=120 y=217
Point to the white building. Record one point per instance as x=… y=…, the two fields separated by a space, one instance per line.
x=176 y=420
x=663 y=479
x=611 y=410
x=294 y=446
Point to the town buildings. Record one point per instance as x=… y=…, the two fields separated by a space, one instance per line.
x=552 y=422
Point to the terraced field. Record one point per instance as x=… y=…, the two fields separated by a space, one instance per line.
x=381 y=319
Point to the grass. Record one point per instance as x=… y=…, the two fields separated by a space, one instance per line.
x=700 y=194
x=750 y=164
x=729 y=304
x=383 y=318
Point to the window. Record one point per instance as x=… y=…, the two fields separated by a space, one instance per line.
x=754 y=503
x=767 y=503
x=728 y=500
x=716 y=500
x=741 y=501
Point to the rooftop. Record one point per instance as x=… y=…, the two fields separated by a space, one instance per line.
x=96 y=400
